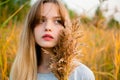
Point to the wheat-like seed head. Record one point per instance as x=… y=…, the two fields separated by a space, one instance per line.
x=66 y=51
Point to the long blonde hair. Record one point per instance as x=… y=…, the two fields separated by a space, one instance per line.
x=28 y=56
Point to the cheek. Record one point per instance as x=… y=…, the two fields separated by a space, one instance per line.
x=58 y=31
x=37 y=32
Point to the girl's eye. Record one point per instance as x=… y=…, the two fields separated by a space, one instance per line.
x=42 y=21
x=59 y=22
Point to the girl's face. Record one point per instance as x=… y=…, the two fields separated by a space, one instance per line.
x=50 y=24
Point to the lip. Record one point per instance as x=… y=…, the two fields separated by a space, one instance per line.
x=47 y=37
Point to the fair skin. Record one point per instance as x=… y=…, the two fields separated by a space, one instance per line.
x=49 y=24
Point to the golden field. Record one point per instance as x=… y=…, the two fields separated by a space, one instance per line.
x=100 y=43
x=100 y=50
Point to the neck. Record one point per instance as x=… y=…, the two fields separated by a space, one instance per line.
x=46 y=55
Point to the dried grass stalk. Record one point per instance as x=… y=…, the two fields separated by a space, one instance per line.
x=66 y=51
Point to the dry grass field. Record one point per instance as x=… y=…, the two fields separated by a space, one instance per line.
x=100 y=43
x=100 y=50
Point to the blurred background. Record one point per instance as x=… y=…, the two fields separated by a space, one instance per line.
x=100 y=21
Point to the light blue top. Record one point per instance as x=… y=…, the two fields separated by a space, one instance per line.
x=81 y=72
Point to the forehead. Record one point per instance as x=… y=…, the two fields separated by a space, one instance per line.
x=50 y=10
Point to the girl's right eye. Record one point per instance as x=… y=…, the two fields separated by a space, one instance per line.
x=42 y=21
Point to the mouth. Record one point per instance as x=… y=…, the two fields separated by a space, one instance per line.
x=47 y=37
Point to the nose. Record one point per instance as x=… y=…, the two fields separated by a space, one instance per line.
x=48 y=26
x=48 y=30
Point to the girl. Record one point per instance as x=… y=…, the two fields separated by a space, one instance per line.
x=44 y=22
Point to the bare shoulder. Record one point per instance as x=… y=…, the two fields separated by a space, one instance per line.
x=82 y=72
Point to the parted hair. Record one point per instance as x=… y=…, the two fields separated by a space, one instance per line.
x=28 y=56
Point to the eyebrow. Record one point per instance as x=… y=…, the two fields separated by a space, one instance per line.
x=58 y=17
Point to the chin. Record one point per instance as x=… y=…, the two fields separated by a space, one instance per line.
x=48 y=45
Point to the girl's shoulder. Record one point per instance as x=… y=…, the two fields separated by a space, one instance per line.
x=82 y=72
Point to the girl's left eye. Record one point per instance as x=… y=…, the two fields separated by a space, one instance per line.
x=58 y=22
